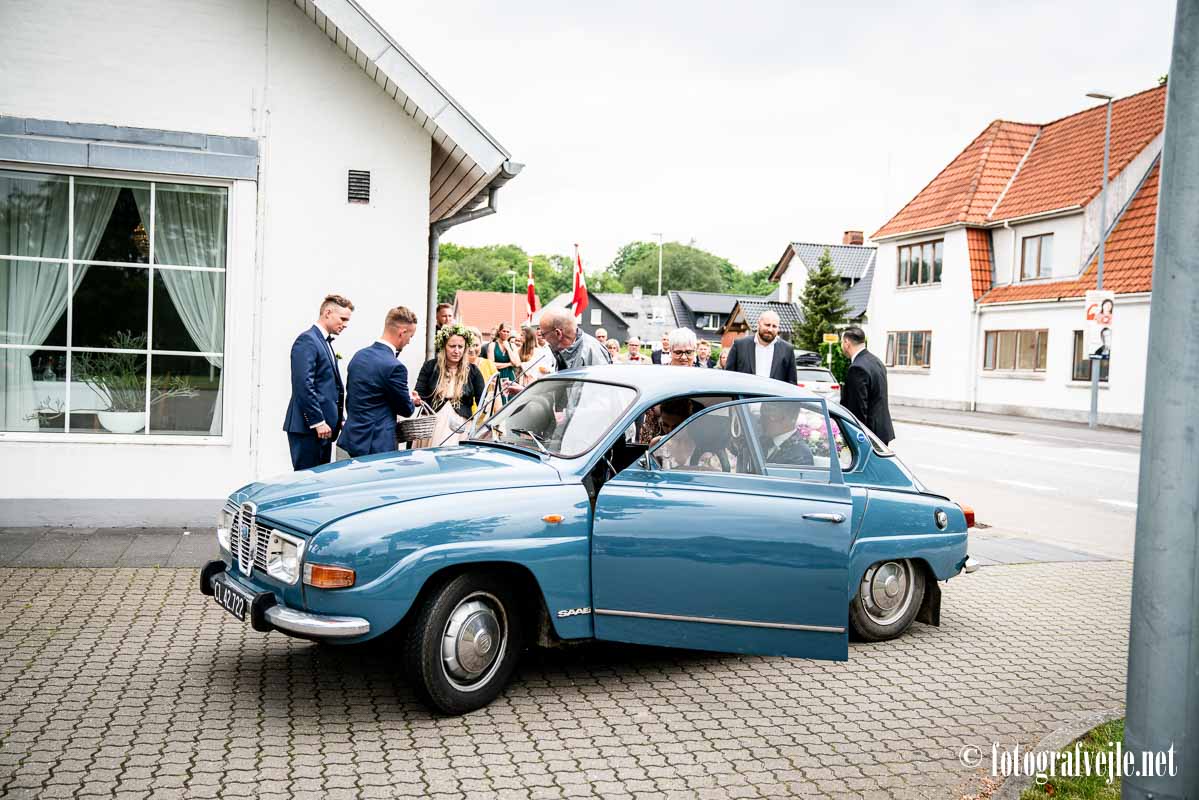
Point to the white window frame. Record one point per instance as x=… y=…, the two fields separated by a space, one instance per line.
x=145 y=437
x=597 y=316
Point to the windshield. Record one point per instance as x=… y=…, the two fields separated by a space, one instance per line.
x=559 y=417
x=814 y=375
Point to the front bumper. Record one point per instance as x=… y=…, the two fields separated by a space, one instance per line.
x=267 y=614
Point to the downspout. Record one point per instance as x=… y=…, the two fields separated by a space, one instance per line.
x=508 y=171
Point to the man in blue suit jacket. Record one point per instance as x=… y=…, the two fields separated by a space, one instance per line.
x=317 y=396
x=377 y=389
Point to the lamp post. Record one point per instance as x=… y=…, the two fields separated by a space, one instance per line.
x=512 y=319
x=1093 y=419
x=659 y=265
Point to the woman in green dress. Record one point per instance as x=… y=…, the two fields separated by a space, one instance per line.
x=499 y=351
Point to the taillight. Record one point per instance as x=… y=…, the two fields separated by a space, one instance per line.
x=801 y=385
x=969 y=512
x=835 y=386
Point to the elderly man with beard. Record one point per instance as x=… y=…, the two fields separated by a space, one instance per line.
x=764 y=353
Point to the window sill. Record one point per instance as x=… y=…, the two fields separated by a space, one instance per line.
x=908 y=370
x=1103 y=385
x=114 y=438
x=918 y=287
x=1014 y=376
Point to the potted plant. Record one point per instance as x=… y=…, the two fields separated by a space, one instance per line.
x=119 y=380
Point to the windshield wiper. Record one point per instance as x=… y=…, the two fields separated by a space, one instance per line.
x=536 y=439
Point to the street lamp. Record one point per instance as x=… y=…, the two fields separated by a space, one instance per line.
x=512 y=319
x=1093 y=419
x=659 y=235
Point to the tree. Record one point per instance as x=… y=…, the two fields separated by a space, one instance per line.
x=823 y=305
x=684 y=268
x=486 y=269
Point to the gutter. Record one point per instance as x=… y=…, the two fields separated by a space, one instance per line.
x=508 y=171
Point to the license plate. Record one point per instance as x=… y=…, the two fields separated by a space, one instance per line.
x=230 y=598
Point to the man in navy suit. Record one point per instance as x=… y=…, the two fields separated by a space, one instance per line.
x=317 y=396
x=377 y=389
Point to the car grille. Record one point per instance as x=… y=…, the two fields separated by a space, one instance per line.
x=247 y=539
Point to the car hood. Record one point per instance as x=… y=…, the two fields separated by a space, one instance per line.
x=307 y=501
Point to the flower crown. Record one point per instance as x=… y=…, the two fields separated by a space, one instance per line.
x=454 y=329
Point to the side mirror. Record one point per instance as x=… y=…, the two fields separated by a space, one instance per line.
x=646 y=463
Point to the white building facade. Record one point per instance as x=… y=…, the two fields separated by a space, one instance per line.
x=179 y=189
x=978 y=297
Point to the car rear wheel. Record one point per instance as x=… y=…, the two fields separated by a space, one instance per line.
x=887 y=600
x=464 y=643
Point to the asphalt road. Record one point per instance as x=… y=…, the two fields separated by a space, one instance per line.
x=1064 y=488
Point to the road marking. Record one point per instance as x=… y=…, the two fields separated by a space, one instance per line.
x=1118 y=503
x=1036 y=487
x=931 y=468
x=1033 y=456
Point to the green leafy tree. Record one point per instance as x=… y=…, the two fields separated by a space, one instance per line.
x=629 y=254
x=823 y=305
x=684 y=268
x=839 y=363
x=486 y=269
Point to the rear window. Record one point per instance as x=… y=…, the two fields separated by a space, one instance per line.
x=815 y=375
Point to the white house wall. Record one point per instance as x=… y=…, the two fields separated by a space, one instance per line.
x=1067 y=247
x=203 y=67
x=1052 y=394
x=944 y=309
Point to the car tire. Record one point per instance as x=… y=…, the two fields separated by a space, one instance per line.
x=887 y=600
x=464 y=642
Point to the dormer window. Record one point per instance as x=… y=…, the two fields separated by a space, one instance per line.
x=1036 y=257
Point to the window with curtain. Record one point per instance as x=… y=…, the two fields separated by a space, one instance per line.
x=112 y=305
x=909 y=349
x=920 y=264
x=1016 y=351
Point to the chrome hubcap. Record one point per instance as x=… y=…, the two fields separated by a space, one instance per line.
x=887 y=591
x=474 y=641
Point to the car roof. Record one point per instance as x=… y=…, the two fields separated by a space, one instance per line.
x=662 y=381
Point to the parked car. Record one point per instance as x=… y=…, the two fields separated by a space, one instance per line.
x=767 y=521
x=818 y=380
x=806 y=358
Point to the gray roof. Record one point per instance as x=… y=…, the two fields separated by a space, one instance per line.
x=858 y=295
x=849 y=260
x=647 y=316
x=790 y=315
x=711 y=302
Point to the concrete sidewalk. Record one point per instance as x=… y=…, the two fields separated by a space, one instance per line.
x=1008 y=425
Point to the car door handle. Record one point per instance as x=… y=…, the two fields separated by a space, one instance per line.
x=825 y=517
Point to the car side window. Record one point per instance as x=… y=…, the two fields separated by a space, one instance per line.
x=792 y=434
x=712 y=441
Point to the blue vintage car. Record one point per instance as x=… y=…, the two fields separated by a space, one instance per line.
x=654 y=505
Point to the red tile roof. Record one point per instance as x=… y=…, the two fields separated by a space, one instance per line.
x=1062 y=161
x=978 y=244
x=966 y=189
x=485 y=310
x=1127 y=260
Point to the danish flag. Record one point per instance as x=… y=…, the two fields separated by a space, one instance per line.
x=579 y=300
x=531 y=297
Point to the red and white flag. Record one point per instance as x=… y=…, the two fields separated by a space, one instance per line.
x=579 y=300
x=531 y=296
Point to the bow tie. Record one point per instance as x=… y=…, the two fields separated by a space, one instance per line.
x=329 y=338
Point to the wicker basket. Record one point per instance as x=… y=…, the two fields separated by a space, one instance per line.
x=418 y=426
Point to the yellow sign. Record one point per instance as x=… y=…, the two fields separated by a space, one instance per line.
x=831 y=338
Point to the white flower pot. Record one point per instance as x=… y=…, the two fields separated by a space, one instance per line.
x=122 y=421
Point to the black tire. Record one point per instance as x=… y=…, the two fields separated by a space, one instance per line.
x=887 y=600
x=460 y=670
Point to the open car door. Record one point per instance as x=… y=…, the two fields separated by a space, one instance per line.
x=731 y=534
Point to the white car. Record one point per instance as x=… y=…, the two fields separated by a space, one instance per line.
x=817 y=379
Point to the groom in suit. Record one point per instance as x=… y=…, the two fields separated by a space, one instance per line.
x=764 y=353
x=317 y=395
x=377 y=389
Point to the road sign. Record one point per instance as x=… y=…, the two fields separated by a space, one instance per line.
x=1099 y=306
x=831 y=338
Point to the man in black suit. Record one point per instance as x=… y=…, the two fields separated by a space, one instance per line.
x=780 y=440
x=703 y=355
x=662 y=354
x=864 y=390
x=377 y=389
x=764 y=353
x=318 y=397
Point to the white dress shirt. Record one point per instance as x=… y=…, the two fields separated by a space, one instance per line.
x=763 y=357
x=390 y=347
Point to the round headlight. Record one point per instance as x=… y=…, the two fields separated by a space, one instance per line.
x=224 y=523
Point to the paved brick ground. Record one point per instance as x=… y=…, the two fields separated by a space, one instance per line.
x=129 y=682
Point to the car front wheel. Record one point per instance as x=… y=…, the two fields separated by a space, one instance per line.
x=887 y=600
x=464 y=643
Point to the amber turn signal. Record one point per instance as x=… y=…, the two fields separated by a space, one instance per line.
x=552 y=518
x=969 y=512
x=325 y=577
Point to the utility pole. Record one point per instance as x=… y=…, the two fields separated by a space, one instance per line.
x=1093 y=419
x=1163 y=645
x=659 y=263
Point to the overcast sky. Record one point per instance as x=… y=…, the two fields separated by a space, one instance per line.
x=746 y=124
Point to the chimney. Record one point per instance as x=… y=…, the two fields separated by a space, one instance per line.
x=852 y=237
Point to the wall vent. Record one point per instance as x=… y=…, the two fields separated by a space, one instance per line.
x=359 y=186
